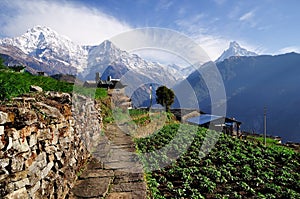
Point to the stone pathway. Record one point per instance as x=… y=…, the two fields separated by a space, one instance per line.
x=114 y=171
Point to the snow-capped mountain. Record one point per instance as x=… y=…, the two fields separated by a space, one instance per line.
x=62 y=55
x=234 y=50
x=47 y=46
x=107 y=54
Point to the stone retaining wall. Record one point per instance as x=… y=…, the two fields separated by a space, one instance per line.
x=43 y=143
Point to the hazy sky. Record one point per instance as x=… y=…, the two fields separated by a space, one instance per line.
x=263 y=26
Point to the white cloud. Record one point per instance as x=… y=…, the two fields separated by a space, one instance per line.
x=219 y=2
x=162 y=45
x=247 y=16
x=212 y=43
x=289 y=49
x=164 y=5
x=81 y=24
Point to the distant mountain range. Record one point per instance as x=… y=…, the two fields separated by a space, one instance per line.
x=47 y=48
x=43 y=49
x=253 y=83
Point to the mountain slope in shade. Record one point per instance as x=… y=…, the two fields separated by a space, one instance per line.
x=235 y=50
x=252 y=83
x=47 y=46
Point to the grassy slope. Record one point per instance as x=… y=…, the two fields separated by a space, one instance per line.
x=14 y=84
x=233 y=169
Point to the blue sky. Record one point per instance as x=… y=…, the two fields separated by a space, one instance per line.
x=263 y=26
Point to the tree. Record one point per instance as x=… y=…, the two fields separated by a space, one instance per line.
x=165 y=97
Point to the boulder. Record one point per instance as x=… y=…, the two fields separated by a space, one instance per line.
x=35 y=89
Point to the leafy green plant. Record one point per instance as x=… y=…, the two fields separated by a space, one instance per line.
x=234 y=168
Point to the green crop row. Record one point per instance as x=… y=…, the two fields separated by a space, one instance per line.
x=187 y=162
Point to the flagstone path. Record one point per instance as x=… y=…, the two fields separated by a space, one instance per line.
x=113 y=172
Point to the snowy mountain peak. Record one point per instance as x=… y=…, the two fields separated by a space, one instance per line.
x=234 y=44
x=107 y=44
x=45 y=44
x=108 y=47
x=235 y=50
x=39 y=29
x=61 y=55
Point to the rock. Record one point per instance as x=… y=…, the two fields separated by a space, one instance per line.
x=20 y=145
x=96 y=174
x=63 y=98
x=34 y=189
x=24 y=99
x=17 y=164
x=29 y=118
x=50 y=149
x=1 y=130
x=4 y=163
x=32 y=140
x=58 y=155
x=18 y=184
x=44 y=134
x=51 y=158
x=13 y=133
x=124 y=195
x=2 y=142
x=18 y=176
x=39 y=163
x=21 y=193
x=92 y=187
x=3 y=175
x=128 y=187
x=35 y=89
x=9 y=146
x=50 y=111
x=26 y=117
x=3 y=117
x=46 y=170
x=30 y=160
x=72 y=162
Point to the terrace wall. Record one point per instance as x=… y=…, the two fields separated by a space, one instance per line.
x=44 y=142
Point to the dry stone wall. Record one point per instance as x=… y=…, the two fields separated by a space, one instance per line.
x=45 y=140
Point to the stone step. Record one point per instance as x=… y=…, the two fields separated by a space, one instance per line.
x=91 y=187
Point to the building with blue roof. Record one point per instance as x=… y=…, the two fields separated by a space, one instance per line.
x=219 y=123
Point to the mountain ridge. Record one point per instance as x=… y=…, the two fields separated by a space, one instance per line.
x=54 y=54
x=46 y=45
x=252 y=83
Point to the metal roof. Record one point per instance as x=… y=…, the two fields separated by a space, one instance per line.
x=203 y=119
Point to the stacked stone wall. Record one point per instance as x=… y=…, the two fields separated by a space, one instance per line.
x=44 y=143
